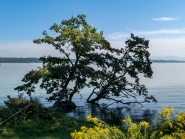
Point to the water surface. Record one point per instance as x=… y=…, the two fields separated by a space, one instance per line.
x=167 y=84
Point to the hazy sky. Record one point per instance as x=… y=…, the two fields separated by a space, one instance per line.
x=160 y=21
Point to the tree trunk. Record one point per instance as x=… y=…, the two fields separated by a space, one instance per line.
x=97 y=98
x=94 y=100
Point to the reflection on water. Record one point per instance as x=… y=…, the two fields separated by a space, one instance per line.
x=114 y=115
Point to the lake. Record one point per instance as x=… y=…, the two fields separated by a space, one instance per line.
x=167 y=84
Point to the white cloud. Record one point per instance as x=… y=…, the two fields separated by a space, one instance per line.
x=121 y=35
x=157 y=47
x=167 y=46
x=162 y=42
x=162 y=31
x=165 y=19
x=26 y=49
x=118 y=35
x=160 y=46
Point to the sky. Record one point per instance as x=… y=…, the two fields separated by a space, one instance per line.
x=162 y=22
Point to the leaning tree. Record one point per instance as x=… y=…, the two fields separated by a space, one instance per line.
x=111 y=80
x=88 y=60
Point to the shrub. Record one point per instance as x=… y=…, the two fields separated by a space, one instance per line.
x=136 y=131
x=18 y=109
x=101 y=130
x=166 y=126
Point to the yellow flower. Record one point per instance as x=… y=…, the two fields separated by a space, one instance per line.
x=83 y=128
x=127 y=120
x=161 y=133
x=94 y=120
x=171 y=137
x=124 y=121
x=144 y=124
x=179 y=117
x=106 y=130
x=72 y=134
x=167 y=111
x=79 y=134
x=89 y=117
x=100 y=130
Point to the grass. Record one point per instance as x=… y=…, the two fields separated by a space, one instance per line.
x=59 y=128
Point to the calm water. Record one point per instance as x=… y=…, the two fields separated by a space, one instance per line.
x=167 y=84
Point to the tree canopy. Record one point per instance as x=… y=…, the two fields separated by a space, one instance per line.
x=97 y=65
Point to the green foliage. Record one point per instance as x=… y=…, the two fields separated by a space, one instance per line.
x=97 y=65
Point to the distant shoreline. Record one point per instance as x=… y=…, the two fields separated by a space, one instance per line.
x=36 y=60
x=19 y=60
x=167 y=61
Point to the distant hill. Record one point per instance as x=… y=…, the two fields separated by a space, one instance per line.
x=19 y=60
x=167 y=61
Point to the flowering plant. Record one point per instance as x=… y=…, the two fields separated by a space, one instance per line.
x=101 y=130
x=167 y=126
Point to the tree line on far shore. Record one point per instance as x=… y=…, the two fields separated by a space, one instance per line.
x=36 y=60
x=19 y=60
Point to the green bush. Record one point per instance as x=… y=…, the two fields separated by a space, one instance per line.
x=19 y=109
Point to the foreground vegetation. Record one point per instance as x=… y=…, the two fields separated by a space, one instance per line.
x=21 y=118
x=166 y=126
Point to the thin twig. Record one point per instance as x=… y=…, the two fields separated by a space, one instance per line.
x=15 y=114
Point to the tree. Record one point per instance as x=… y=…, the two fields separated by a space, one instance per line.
x=96 y=65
